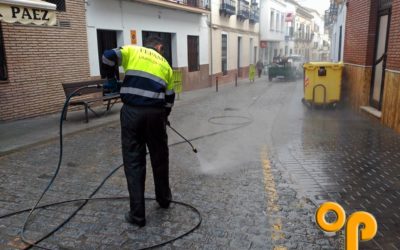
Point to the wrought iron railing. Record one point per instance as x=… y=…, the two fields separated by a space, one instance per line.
x=60 y=4
x=201 y=4
x=302 y=36
x=329 y=18
x=333 y=9
x=254 y=14
x=228 y=7
x=331 y=13
x=243 y=10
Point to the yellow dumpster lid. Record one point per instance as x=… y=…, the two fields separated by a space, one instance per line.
x=312 y=65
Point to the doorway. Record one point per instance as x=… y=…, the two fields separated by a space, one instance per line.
x=166 y=37
x=106 y=39
x=379 y=67
x=251 y=52
x=224 y=54
x=239 y=57
x=255 y=55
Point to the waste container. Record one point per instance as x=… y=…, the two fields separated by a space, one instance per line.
x=322 y=83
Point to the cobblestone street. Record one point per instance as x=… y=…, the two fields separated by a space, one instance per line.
x=265 y=164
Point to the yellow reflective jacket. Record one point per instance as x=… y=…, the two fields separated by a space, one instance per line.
x=148 y=77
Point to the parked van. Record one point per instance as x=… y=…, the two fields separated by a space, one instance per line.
x=297 y=62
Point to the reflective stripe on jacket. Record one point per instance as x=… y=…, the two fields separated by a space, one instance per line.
x=148 y=77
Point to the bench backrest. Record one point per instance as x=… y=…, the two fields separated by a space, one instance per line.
x=70 y=87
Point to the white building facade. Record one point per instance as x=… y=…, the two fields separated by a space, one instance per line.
x=234 y=39
x=290 y=28
x=319 y=49
x=338 y=27
x=113 y=23
x=272 y=29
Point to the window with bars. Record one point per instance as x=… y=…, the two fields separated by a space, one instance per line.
x=271 y=22
x=60 y=4
x=224 y=54
x=193 y=53
x=277 y=22
x=3 y=65
x=384 y=4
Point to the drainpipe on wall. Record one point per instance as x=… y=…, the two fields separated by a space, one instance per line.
x=211 y=46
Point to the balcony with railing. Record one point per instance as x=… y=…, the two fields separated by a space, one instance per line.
x=243 y=10
x=331 y=14
x=254 y=13
x=327 y=19
x=303 y=37
x=228 y=7
x=202 y=4
x=290 y=34
x=195 y=6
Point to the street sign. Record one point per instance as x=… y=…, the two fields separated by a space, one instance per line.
x=263 y=44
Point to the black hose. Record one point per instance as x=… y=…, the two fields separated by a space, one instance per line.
x=106 y=198
x=246 y=120
x=86 y=200
x=112 y=172
x=75 y=92
x=186 y=140
x=36 y=206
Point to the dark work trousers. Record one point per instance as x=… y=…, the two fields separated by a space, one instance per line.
x=141 y=126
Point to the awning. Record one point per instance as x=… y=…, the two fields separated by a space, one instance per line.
x=27 y=12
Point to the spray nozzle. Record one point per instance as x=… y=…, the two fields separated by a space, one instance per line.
x=193 y=148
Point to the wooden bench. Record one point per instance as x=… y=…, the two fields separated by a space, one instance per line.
x=88 y=96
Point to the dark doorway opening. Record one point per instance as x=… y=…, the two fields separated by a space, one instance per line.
x=167 y=53
x=106 y=39
x=239 y=50
x=379 y=67
x=224 y=54
x=3 y=65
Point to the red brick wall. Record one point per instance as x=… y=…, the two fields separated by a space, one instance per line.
x=39 y=59
x=393 y=61
x=360 y=32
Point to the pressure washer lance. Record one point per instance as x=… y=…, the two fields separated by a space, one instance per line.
x=99 y=85
x=193 y=148
x=168 y=123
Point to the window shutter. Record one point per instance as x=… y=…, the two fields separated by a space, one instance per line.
x=3 y=65
x=193 y=53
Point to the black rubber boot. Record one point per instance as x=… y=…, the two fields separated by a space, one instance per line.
x=132 y=220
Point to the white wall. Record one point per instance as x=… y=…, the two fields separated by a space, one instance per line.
x=231 y=21
x=233 y=28
x=341 y=21
x=316 y=53
x=266 y=33
x=125 y=16
x=274 y=36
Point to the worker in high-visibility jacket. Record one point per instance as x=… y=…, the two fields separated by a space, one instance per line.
x=148 y=96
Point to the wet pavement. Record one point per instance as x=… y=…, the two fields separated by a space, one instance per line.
x=265 y=163
x=345 y=158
